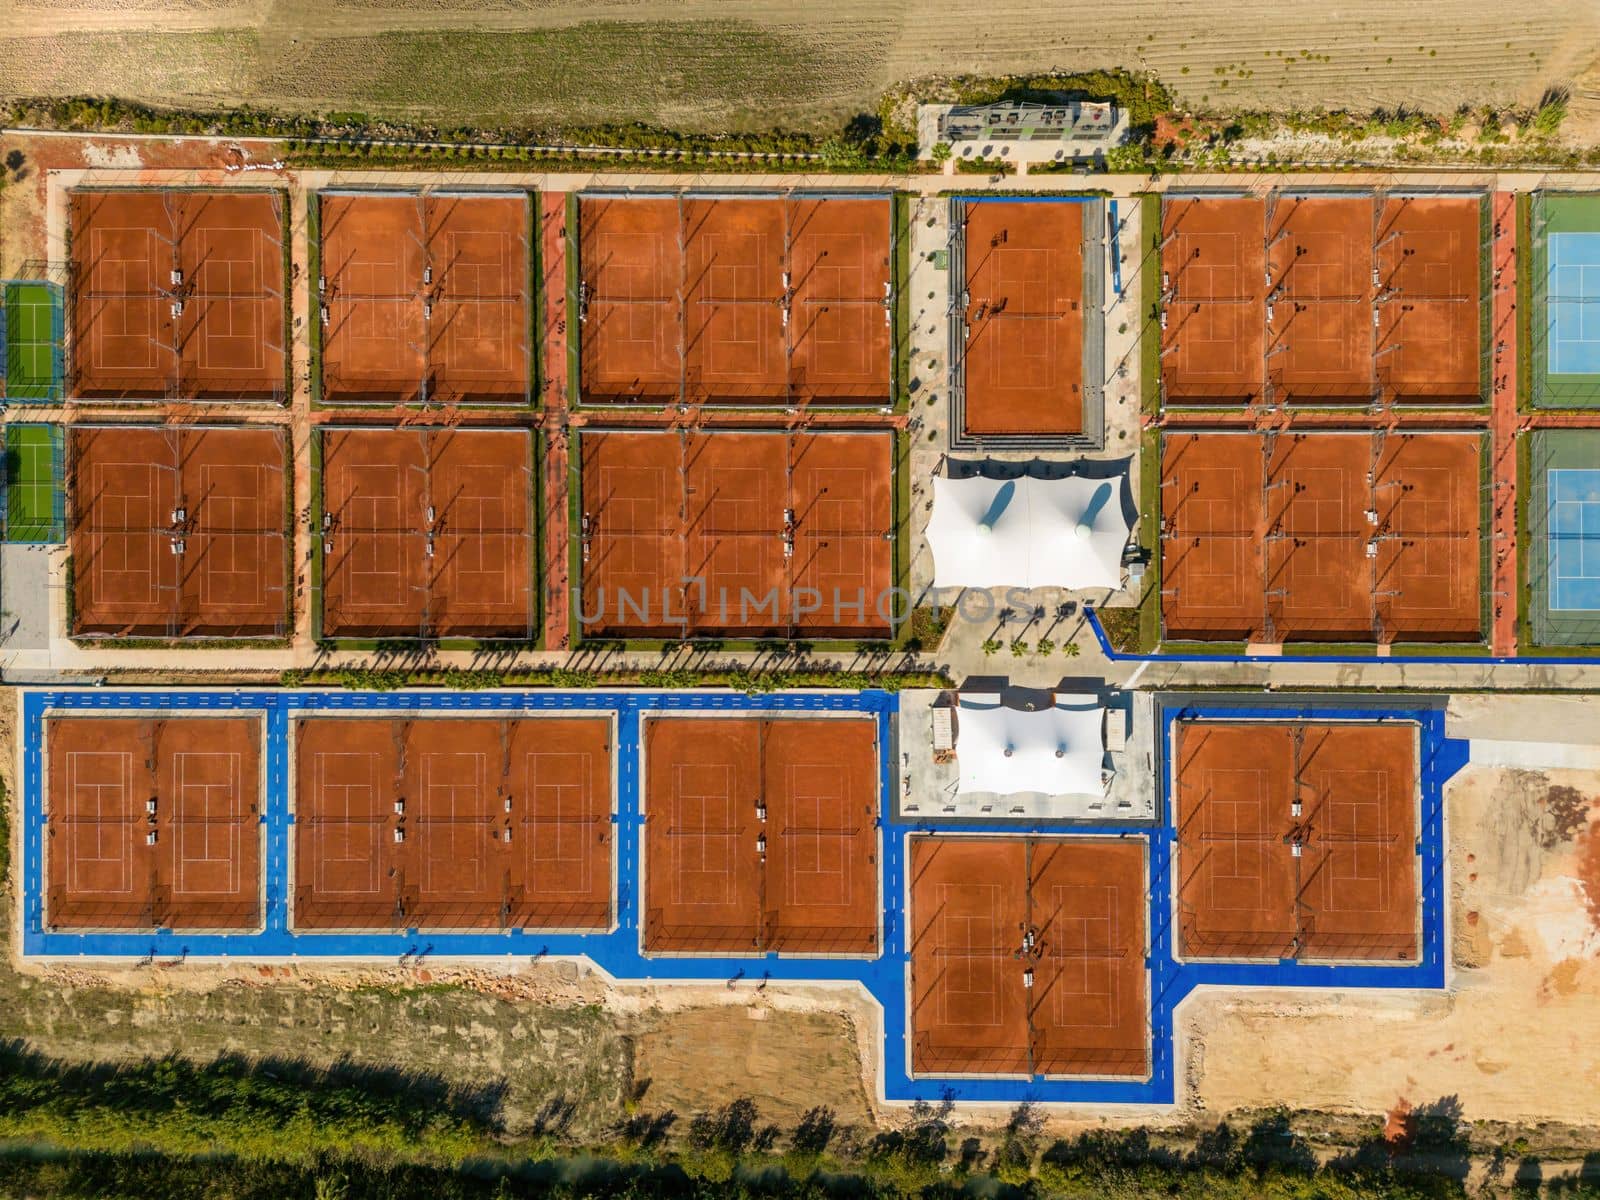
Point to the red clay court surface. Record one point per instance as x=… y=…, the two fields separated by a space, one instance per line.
x=453 y=824
x=379 y=579
x=1329 y=299
x=1431 y=284
x=1320 y=342
x=1335 y=536
x=426 y=293
x=984 y=910
x=660 y=506
x=179 y=532
x=217 y=258
x=1213 y=264
x=1023 y=363
x=683 y=299
x=761 y=835
x=1352 y=892
x=153 y=824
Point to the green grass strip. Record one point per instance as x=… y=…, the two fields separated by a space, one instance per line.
x=1150 y=304
x=574 y=541
x=574 y=326
x=1486 y=297
x=1525 y=397
x=534 y=396
x=315 y=500
x=314 y=301
x=1524 y=540
x=1150 y=536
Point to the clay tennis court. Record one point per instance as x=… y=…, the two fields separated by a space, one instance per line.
x=1428 y=573
x=1213 y=264
x=178 y=532
x=753 y=300
x=178 y=295
x=1318 y=576
x=1430 y=255
x=427 y=533
x=445 y=823
x=1023 y=362
x=1297 y=840
x=425 y=296
x=1212 y=505
x=761 y=835
x=1321 y=536
x=1320 y=342
x=990 y=913
x=153 y=824
x=777 y=532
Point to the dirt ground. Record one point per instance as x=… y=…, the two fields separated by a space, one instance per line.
x=551 y=1034
x=694 y=1058
x=1513 y=1036
x=794 y=63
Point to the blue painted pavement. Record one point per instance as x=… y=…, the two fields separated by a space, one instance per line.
x=617 y=953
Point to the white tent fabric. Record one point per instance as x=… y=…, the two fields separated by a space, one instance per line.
x=1054 y=751
x=1028 y=533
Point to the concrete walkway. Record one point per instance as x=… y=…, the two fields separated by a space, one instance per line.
x=1503 y=425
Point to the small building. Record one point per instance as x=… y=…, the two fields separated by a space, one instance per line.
x=1020 y=131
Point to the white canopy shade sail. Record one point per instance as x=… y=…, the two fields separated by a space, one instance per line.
x=1054 y=751
x=1028 y=533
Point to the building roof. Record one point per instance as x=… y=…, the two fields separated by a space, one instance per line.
x=1053 y=751
x=1077 y=119
x=1029 y=533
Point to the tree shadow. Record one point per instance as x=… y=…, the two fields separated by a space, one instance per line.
x=921 y=1141
x=1435 y=1140
x=648 y=1130
x=1113 y=1148
x=731 y=1128
x=815 y=1130
x=1272 y=1141
x=274 y=1088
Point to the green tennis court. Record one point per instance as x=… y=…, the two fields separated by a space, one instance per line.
x=35 y=503
x=1565 y=284
x=33 y=331
x=1563 y=605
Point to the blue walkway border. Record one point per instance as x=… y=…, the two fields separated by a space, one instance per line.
x=885 y=979
x=1465 y=660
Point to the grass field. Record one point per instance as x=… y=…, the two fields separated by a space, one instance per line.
x=760 y=64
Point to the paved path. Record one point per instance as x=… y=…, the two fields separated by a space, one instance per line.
x=1503 y=424
x=553 y=397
